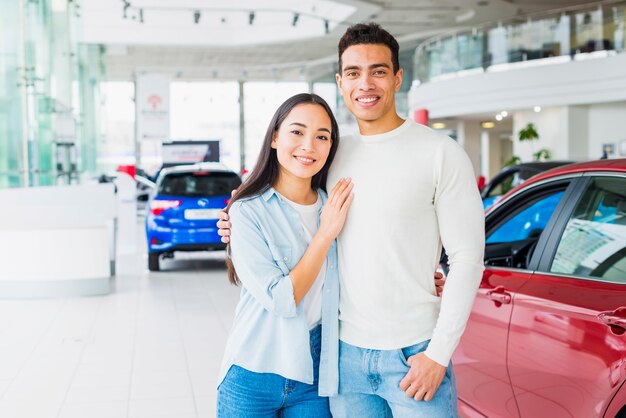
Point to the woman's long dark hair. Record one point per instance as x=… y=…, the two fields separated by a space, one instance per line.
x=265 y=172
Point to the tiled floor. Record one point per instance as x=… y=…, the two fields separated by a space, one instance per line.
x=152 y=348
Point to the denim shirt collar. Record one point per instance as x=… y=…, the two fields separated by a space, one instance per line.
x=267 y=195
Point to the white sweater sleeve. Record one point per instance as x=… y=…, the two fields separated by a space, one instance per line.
x=461 y=221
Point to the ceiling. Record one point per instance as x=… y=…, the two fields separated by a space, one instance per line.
x=259 y=40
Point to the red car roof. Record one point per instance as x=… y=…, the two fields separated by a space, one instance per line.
x=597 y=165
x=616 y=165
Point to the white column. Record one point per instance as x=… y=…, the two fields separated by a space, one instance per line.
x=485 y=154
x=242 y=128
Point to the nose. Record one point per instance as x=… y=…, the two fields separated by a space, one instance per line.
x=366 y=82
x=307 y=142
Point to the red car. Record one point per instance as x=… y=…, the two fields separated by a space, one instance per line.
x=547 y=333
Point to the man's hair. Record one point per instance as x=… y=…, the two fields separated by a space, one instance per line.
x=369 y=33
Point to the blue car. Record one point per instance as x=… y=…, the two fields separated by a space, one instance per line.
x=183 y=212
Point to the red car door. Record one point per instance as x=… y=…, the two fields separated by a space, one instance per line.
x=480 y=362
x=480 y=359
x=567 y=340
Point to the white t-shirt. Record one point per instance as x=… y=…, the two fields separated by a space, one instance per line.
x=311 y=302
x=414 y=188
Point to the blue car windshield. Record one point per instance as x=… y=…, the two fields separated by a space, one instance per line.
x=199 y=184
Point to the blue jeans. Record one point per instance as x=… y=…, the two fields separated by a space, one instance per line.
x=247 y=394
x=369 y=386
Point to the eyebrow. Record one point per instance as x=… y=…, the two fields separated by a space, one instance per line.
x=356 y=67
x=304 y=126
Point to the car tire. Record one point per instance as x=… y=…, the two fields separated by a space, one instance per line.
x=153 y=261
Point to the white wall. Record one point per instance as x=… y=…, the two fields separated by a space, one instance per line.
x=552 y=127
x=607 y=124
x=573 y=132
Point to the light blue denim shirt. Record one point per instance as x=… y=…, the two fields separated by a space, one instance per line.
x=269 y=333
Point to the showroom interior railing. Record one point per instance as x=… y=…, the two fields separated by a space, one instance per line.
x=588 y=31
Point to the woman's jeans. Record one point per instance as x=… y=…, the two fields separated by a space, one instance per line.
x=246 y=394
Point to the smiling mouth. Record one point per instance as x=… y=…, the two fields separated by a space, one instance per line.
x=366 y=100
x=304 y=160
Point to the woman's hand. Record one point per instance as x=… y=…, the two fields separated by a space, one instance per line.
x=336 y=208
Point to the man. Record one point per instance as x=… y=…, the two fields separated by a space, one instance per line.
x=414 y=190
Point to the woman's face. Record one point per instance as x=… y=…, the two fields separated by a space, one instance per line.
x=302 y=142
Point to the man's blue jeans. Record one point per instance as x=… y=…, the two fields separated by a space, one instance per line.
x=369 y=386
x=246 y=394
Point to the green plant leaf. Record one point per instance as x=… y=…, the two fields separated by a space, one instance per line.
x=514 y=160
x=529 y=133
x=543 y=153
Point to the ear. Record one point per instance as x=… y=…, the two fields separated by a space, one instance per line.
x=339 y=81
x=273 y=144
x=398 y=76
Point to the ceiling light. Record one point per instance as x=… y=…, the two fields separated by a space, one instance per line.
x=537 y=109
x=296 y=16
x=196 y=17
x=438 y=125
x=498 y=117
x=504 y=113
x=251 y=18
x=487 y=124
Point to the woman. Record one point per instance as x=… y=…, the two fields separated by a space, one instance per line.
x=283 y=254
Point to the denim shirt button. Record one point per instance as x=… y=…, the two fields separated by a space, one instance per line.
x=285 y=258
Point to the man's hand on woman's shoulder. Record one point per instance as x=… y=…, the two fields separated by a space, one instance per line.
x=223 y=224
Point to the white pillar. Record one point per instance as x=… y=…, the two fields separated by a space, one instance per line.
x=242 y=128
x=485 y=154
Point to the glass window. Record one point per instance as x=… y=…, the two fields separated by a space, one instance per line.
x=529 y=222
x=199 y=184
x=594 y=241
x=506 y=184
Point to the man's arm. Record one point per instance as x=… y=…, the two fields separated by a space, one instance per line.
x=461 y=219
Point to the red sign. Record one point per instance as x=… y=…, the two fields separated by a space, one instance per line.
x=154 y=100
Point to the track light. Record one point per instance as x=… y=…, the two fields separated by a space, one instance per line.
x=326 y=30
x=296 y=16
x=251 y=18
x=196 y=17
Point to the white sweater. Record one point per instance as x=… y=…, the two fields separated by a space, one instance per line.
x=414 y=189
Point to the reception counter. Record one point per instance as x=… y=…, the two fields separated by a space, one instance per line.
x=57 y=241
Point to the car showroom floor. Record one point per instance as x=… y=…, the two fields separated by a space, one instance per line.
x=152 y=348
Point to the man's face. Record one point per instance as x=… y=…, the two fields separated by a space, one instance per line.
x=368 y=84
